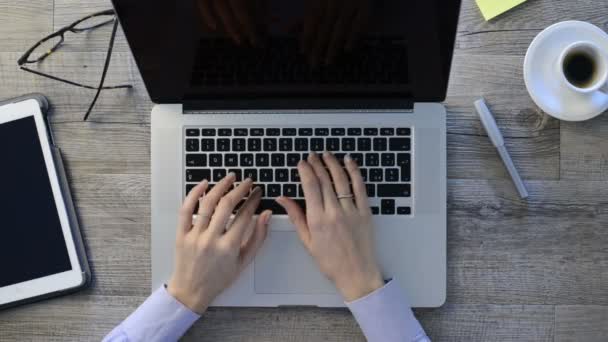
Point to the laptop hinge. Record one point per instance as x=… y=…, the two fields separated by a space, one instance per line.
x=298 y=105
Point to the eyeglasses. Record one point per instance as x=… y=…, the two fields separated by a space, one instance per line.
x=51 y=43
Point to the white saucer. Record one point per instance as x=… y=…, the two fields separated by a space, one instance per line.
x=546 y=87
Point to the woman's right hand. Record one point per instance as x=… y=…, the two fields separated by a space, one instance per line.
x=338 y=232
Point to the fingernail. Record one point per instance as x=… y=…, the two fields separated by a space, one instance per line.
x=231 y=175
x=326 y=154
x=279 y=199
x=267 y=217
x=347 y=158
x=248 y=179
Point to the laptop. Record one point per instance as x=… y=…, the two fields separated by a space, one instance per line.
x=226 y=102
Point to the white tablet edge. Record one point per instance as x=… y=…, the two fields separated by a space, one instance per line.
x=55 y=282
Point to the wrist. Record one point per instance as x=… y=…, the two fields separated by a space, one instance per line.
x=352 y=290
x=196 y=303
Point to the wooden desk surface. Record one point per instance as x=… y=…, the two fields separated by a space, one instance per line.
x=533 y=270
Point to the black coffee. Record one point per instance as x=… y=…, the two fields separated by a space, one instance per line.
x=579 y=68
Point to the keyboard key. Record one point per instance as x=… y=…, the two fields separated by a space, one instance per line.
x=208 y=132
x=391 y=175
x=333 y=144
x=254 y=145
x=196 y=160
x=238 y=174
x=380 y=144
x=387 y=131
x=375 y=210
x=240 y=132
x=192 y=145
x=256 y=132
x=266 y=175
x=370 y=131
x=321 y=132
x=295 y=176
x=364 y=144
x=193 y=132
x=223 y=145
x=348 y=144
x=301 y=144
x=317 y=145
x=376 y=175
x=231 y=159
x=371 y=190
x=404 y=131
x=300 y=191
x=189 y=188
x=372 y=159
x=387 y=159
x=250 y=173
x=239 y=145
x=219 y=174
x=262 y=159
x=404 y=210
x=363 y=174
x=270 y=204
x=305 y=132
x=338 y=131
x=277 y=159
x=293 y=159
x=273 y=132
x=399 y=144
x=274 y=190
x=393 y=190
x=215 y=159
x=387 y=207
x=224 y=132
x=290 y=190
x=246 y=159
x=340 y=157
x=207 y=145
x=270 y=144
x=354 y=131
x=281 y=175
x=198 y=175
x=289 y=132
x=285 y=144
x=357 y=157
x=403 y=160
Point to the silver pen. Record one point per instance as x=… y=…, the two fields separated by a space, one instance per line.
x=494 y=133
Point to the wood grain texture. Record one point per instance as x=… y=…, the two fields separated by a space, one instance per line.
x=517 y=270
x=575 y=323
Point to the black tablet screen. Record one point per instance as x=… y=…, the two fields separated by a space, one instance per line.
x=31 y=240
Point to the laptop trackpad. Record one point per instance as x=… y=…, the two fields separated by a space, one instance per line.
x=284 y=266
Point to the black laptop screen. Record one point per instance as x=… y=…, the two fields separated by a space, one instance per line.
x=275 y=49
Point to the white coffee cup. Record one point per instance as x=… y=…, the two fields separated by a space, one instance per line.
x=583 y=67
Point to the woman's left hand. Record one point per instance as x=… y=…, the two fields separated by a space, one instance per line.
x=211 y=252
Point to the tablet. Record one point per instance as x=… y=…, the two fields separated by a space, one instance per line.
x=38 y=253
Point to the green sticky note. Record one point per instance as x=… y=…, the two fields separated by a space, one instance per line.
x=492 y=8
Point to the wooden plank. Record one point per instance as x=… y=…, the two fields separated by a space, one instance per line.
x=575 y=323
x=584 y=149
x=550 y=249
x=22 y=24
x=68 y=11
x=489 y=323
x=113 y=106
x=531 y=136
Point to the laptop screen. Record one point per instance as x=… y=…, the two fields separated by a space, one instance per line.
x=300 y=50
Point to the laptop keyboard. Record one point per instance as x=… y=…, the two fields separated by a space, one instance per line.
x=270 y=157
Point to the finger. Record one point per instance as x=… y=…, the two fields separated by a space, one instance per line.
x=208 y=17
x=210 y=200
x=327 y=190
x=340 y=180
x=230 y=25
x=251 y=247
x=187 y=209
x=311 y=187
x=226 y=206
x=243 y=218
x=359 y=189
x=243 y=16
x=297 y=217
